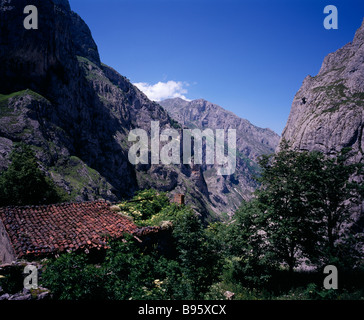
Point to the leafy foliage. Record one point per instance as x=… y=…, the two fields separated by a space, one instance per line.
x=198 y=257
x=23 y=183
x=306 y=198
x=131 y=272
x=144 y=205
x=297 y=215
x=251 y=261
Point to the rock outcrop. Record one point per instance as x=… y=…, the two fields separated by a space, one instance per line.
x=16 y=291
x=327 y=112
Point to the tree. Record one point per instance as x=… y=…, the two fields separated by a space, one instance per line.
x=306 y=199
x=197 y=264
x=337 y=193
x=251 y=256
x=144 y=205
x=287 y=201
x=23 y=183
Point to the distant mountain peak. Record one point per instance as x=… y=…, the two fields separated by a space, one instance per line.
x=75 y=112
x=226 y=194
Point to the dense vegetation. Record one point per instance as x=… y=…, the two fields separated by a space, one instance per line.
x=274 y=247
x=296 y=219
x=24 y=183
x=132 y=271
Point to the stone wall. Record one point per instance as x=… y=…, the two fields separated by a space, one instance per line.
x=12 y=283
x=7 y=254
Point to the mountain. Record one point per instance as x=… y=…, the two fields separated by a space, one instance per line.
x=252 y=141
x=226 y=192
x=76 y=112
x=327 y=112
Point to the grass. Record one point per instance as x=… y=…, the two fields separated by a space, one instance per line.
x=5 y=109
x=331 y=110
x=78 y=175
x=358 y=96
x=94 y=73
x=335 y=89
x=357 y=99
x=5 y=98
x=338 y=90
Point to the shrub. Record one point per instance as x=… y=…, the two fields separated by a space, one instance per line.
x=23 y=183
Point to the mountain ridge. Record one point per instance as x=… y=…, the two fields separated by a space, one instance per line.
x=252 y=142
x=203 y=112
x=327 y=100
x=184 y=103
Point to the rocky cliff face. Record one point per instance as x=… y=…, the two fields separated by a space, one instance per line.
x=327 y=112
x=76 y=113
x=226 y=192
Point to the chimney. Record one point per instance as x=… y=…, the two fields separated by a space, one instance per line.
x=179 y=199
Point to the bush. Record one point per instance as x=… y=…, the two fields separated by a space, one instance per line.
x=70 y=277
x=144 y=205
x=130 y=272
x=23 y=183
x=11 y=279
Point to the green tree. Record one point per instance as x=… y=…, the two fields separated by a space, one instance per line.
x=337 y=194
x=198 y=258
x=125 y=273
x=144 y=205
x=249 y=253
x=306 y=198
x=288 y=201
x=23 y=183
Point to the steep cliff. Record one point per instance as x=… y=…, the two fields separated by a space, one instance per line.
x=327 y=112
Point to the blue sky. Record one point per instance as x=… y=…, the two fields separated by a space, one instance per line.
x=249 y=57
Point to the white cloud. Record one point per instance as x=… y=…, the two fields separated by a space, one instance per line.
x=164 y=90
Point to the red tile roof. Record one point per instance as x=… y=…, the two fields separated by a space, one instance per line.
x=51 y=229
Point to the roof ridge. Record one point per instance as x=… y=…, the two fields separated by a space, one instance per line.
x=50 y=229
x=57 y=204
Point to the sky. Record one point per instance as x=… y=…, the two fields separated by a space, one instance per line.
x=248 y=56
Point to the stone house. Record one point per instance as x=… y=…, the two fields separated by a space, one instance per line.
x=35 y=232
